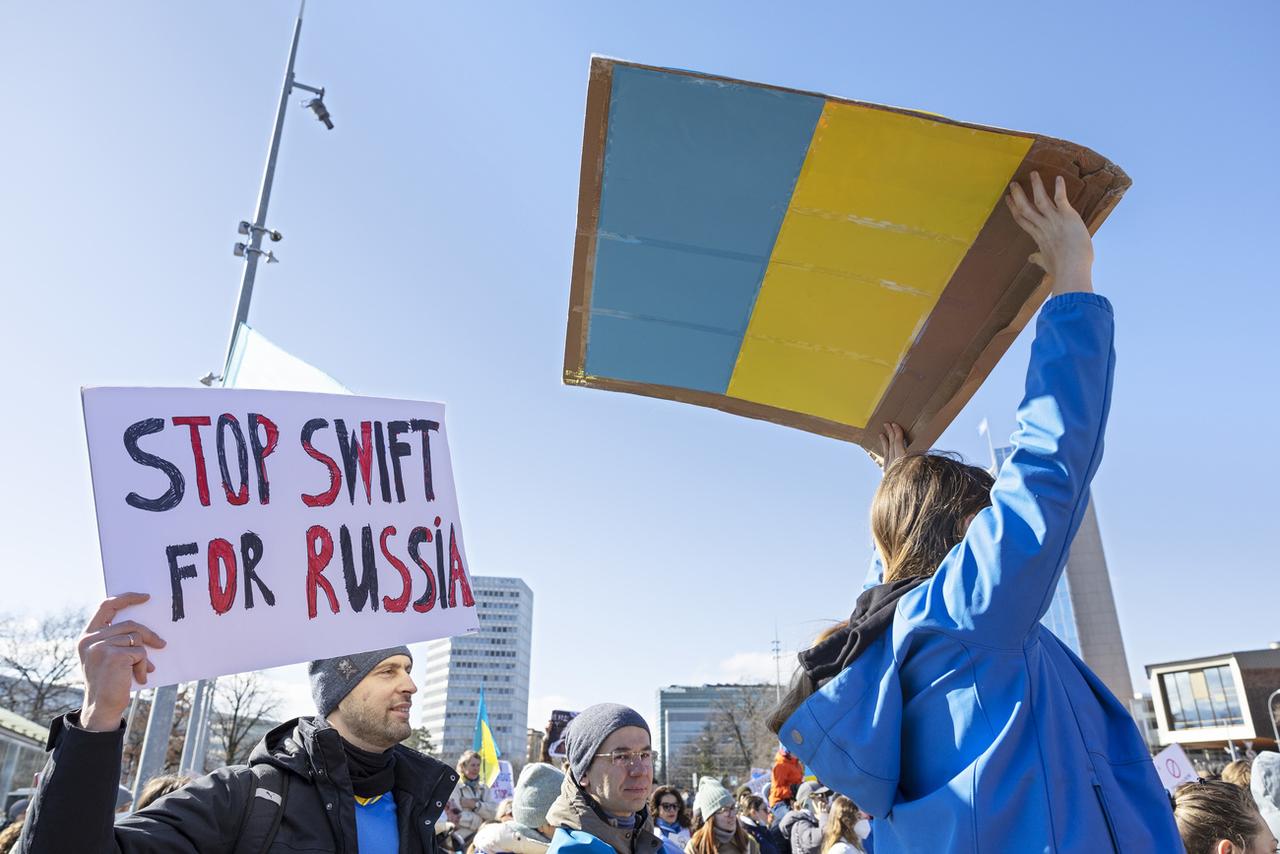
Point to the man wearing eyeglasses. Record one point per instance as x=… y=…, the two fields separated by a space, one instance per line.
x=608 y=775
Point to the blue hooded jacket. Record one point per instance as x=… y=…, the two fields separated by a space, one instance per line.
x=968 y=727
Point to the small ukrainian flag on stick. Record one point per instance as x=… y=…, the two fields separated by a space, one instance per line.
x=484 y=744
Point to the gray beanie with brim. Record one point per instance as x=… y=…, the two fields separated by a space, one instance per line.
x=586 y=732
x=332 y=679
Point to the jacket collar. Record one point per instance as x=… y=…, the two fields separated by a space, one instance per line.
x=872 y=616
x=312 y=748
x=576 y=810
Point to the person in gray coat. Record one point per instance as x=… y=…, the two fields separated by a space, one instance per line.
x=1264 y=785
x=802 y=826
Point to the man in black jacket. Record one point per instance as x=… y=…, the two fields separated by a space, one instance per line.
x=339 y=782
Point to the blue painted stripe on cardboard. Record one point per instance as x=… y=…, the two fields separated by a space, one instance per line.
x=698 y=176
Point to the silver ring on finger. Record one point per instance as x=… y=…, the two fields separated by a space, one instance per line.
x=130 y=636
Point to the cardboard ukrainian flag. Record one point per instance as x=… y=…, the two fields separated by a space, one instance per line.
x=484 y=744
x=825 y=264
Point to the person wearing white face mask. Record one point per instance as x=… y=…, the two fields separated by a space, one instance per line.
x=846 y=828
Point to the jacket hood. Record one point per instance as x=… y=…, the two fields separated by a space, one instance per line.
x=510 y=838
x=1264 y=785
x=574 y=810
x=872 y=616
x=793 y=818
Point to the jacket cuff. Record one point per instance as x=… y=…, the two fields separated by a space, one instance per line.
x=1064 y=301
x=66 y=729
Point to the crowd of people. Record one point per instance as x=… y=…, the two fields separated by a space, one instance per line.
x=341 y=780
x=940 y=717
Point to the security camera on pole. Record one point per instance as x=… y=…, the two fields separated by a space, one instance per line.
x=160 y=721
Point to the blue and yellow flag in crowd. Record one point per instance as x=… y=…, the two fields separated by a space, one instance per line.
x=484 y=744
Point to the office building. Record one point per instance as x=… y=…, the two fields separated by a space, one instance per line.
x=684 y=711
x=497 y=659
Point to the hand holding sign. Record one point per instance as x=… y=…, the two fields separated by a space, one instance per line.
x=113 y=656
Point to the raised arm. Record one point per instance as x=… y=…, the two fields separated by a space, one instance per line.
x=1001 y=579
x=74 y=805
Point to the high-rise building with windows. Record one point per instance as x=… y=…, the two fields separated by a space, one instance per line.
x=1082 y=612
x=497 y=658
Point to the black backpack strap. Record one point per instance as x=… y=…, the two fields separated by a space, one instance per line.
x=269 y=785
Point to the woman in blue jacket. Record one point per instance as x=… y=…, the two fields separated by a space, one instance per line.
x=943 y=707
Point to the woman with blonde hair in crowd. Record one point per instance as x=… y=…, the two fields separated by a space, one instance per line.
x=720 y=833
x=470 y=795
x=846 y=828
x=1217 y=817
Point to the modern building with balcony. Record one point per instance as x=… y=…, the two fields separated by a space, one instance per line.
x=1228 y=702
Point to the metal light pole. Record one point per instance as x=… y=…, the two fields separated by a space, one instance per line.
x=160 y=721
x=255 y=230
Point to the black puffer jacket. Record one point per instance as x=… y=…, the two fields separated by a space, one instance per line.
x=74 y=806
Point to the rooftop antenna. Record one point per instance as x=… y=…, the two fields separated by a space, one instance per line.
x=777 y=664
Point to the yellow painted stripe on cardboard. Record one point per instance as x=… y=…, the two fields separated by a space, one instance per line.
x=885 y=208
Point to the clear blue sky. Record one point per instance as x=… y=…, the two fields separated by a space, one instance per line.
x=427 y=249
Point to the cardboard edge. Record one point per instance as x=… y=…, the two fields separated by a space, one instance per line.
x=1095 y=189
x=594 y=135
x=724 y=403
x=718 y=78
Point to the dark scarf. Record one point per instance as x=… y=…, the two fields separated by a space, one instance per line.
x=872 y=616
x=371 y=773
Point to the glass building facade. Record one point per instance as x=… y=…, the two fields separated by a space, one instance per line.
x=1061 y=616
x=1205 y=697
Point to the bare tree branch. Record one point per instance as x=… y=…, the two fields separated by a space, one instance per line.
x=39 y=664
x=242 y=703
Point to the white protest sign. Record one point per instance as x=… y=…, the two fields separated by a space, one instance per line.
x=1174 y=767
x=272 y=527
x=504 y=785
x=760 y=777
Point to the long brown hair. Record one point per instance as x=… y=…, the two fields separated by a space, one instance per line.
x=703 y=840
x=844 y=815
x=918 y=514
x=1212 y=810
x=920 y=510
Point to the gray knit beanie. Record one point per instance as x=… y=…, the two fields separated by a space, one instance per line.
x=333 y=678
x=585 y=733
x=711 y=798
x=536 y=790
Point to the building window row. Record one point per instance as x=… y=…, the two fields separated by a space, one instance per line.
x=1201 y=698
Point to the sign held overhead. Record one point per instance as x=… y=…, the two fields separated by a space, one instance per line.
x=825 y=264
